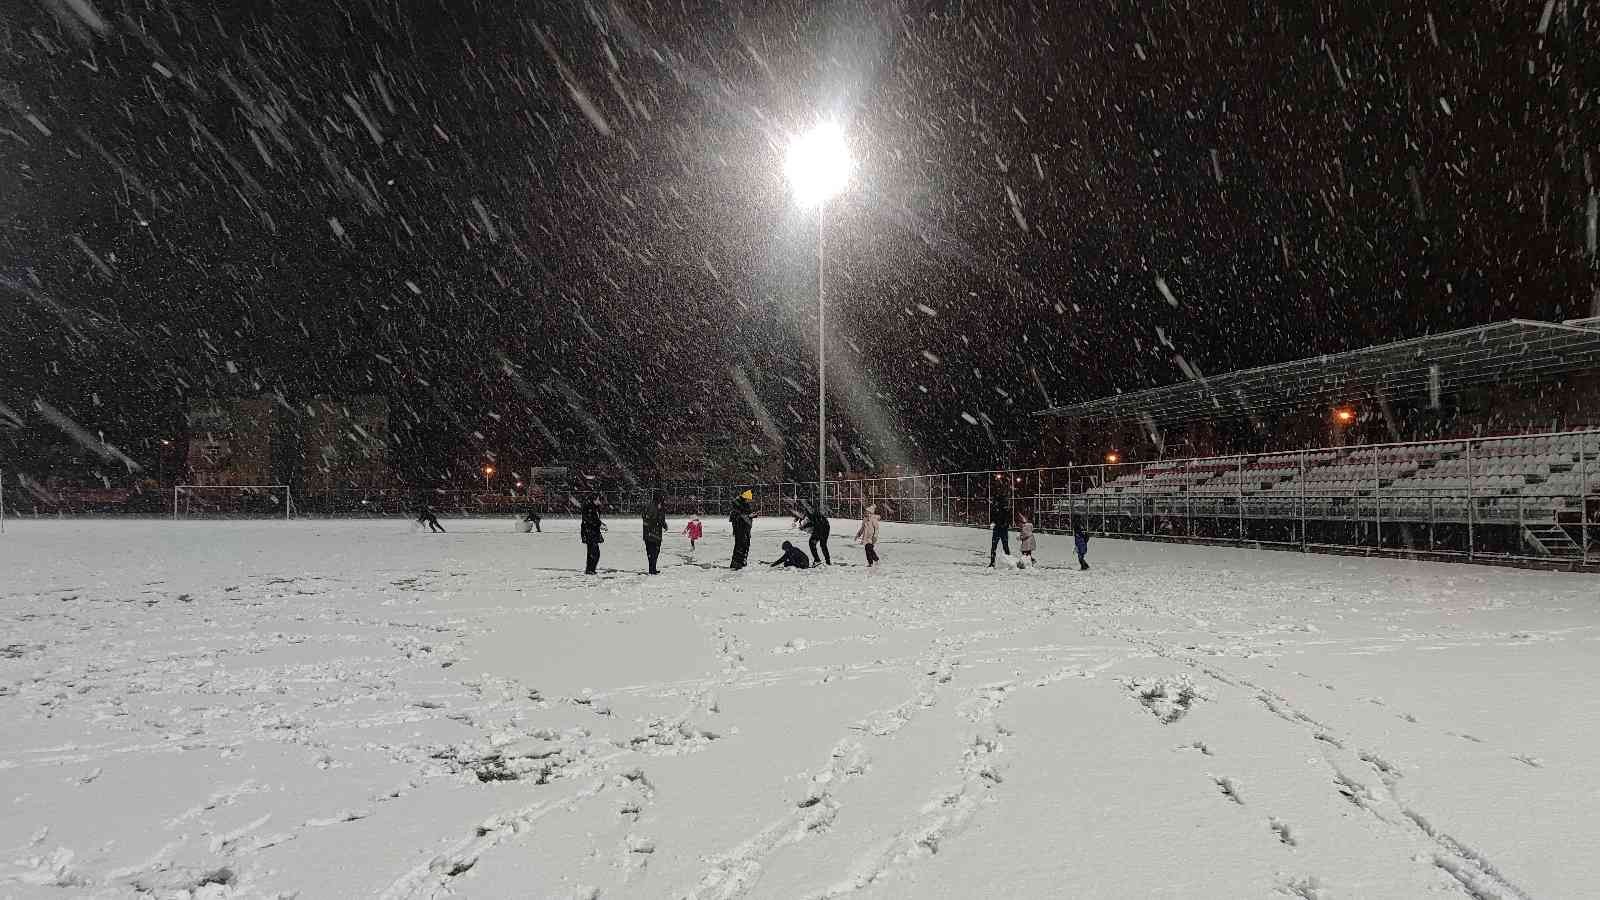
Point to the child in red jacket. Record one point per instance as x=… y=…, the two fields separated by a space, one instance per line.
x=695 y=531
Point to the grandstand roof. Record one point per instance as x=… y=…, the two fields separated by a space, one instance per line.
x=1514 y=351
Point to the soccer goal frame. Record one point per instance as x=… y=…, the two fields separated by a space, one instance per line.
x=186 y=492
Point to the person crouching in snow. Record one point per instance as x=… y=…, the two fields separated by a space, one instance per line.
x=867 y=536
x=531 y=520
x=1080 y=542
x=694 y=530
x=1025 y=540
x=793 y=558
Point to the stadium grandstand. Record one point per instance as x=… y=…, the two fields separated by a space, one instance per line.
x=1477 y=443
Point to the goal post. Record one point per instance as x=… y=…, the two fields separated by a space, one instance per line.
x=232 y=501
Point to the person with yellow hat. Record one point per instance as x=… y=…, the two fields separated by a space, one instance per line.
x=743 y=520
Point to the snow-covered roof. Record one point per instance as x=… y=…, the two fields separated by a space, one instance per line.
x=1513 y=351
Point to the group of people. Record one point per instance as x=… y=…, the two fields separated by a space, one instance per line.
x=742 y=518
x=810 y=518
x=591 y=531
x=1000 y=536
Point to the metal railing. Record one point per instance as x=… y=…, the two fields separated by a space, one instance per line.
x=1515 y=497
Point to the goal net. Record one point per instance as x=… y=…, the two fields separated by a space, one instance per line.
x=232 y=501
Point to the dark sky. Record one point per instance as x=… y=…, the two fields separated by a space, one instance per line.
x=411 y=198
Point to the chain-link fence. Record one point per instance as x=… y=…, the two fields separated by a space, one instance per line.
x=1525 y=497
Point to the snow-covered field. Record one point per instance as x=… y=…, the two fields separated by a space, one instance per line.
x=353 y=709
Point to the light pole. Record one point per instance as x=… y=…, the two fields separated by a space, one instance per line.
x=488 y=473
x=818 y=167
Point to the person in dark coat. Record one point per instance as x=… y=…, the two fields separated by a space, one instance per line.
x=793 y=558
x=532 y=518
x=589 y=532
x=742 y=518
x=426 y=517
x=655 y=523
x=1080 y=542
x=1000 y=518
x=816 y=522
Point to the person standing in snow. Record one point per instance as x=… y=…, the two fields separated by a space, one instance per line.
x=867 y=535
x=742 y=518
x=793 y=558
x=694 y=530
x=1000 y=519
x=655 y=524
x=532 y=518
x=1080 y=542
x=1025 y=540
x=816 y=522
x=589 y=529
x=426 y=517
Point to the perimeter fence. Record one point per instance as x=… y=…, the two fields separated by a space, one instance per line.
x=1526 y=497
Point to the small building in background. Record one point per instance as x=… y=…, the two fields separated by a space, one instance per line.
x=343 y=444
x=230 y=441
x=320 y=445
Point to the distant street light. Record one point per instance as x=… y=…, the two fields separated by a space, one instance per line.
x=1113 y=457
x=818 y=168
x=488 y=473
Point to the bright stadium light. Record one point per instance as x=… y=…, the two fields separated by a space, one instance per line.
x=818 y=166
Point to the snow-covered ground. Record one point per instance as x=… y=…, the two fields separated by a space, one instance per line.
x=354 y=709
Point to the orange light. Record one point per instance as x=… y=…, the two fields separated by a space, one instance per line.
x=1344 y=415
x=1113 y=457
x=488 y=470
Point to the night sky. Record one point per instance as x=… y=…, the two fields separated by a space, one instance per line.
x=493 y=211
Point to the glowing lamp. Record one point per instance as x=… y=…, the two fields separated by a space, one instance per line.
x=818 y=165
